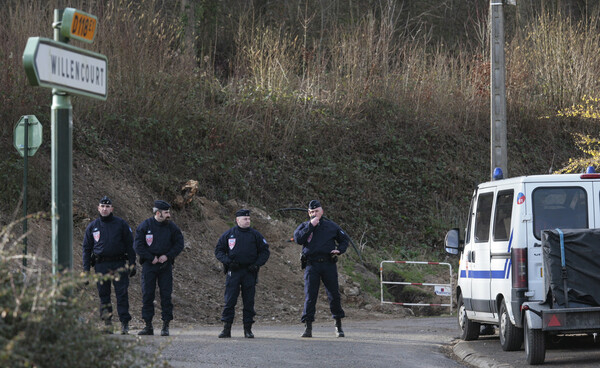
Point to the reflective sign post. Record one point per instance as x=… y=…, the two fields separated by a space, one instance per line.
x=62 y=175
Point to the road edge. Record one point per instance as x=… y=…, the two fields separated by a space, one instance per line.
x=472 y=357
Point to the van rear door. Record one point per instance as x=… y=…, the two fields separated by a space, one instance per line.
x=564 y=205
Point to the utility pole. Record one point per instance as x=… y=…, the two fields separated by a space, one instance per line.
x=497 y=90
x=499 y=149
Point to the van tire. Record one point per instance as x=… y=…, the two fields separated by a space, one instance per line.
x=535 y=344
x=469 y=330
x=511 y=337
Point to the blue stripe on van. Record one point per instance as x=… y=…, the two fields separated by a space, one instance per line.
x=493 y=274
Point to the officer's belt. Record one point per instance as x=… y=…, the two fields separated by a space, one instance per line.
x=319 y=259
x=120 y=257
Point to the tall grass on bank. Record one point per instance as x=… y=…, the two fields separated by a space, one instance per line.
x=41 y=320
x=279 y=106
x=554 y=62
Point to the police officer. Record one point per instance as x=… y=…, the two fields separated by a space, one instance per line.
x=242 y=250
x=157 y=242
x=107 y=245
x=322 y=241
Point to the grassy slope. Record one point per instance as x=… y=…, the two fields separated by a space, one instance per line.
x=395 y=170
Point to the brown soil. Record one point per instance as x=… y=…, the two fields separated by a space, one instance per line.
x=198 y=276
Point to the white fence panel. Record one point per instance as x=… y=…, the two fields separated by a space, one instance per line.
x=439 y=289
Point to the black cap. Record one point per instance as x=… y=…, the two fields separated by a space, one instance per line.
x=105 y=200
x=242 y=212
x=162 y=205
x=314 y=204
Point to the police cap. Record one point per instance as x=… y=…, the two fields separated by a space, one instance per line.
x=105 y=200
x=314 y=204
x=242 y=212
x=161 y=205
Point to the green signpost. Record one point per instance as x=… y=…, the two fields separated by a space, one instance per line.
x=27 y=140
x=66 y=69
x=27 y=135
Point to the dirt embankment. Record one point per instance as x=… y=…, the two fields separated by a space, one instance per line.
x=198 y=276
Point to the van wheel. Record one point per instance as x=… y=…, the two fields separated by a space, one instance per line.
x=468 y=330
x=511 y=337
x=535 y=344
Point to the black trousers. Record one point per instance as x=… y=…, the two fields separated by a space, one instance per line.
x=314 y=273
x=160 y=274
x=245 y=281
x=121 y=286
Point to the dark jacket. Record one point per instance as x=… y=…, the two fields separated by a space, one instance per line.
x=108 y=236
x=244 y=246
x=320 y=240
x=154 y=239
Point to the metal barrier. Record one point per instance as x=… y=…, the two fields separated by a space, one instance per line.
x=439 y=289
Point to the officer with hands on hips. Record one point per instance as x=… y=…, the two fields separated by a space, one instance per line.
x=322 y=241
x=107 y=246
x=157 y=242
x=242 y=250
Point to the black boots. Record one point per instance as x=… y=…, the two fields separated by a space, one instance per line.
x=124 y=328
x=308 y=330
x=226 y=333
x=226 y=330
x=148 y=330
x=338 y=328
x=248 y=331
x=165 y=329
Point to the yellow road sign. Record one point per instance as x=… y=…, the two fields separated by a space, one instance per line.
x=78 y=25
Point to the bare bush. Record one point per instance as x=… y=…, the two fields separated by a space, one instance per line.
x=42 y=323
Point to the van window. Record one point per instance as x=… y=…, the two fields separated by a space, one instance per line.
x=503 y=215
x=559 y=207
x=483 y=217
x=469 y=220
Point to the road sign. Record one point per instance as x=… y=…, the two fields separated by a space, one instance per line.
x=78 y=25
x=34 y=135
x=68 y=68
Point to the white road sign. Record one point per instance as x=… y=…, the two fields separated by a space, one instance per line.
x=54 y=64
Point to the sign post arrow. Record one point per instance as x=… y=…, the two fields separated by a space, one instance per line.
x=67 y=68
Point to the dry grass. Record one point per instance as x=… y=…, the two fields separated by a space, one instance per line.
x=347 y=101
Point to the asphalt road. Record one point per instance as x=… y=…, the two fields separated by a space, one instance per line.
x=407 y=342
x=569 y=351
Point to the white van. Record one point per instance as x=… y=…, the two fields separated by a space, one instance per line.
x=501 y=262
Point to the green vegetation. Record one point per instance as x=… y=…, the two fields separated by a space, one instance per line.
x=379 y=109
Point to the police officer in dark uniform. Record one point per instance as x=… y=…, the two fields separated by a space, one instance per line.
x=107 y=246
x=242 y=250
x=322 y=241
x=157 y=242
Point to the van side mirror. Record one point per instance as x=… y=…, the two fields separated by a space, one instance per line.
x=452 y=242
